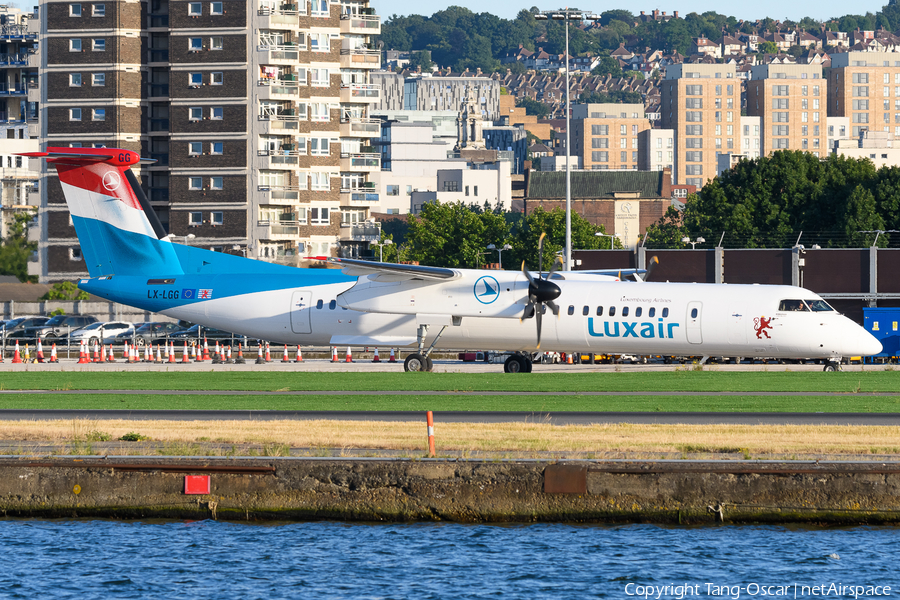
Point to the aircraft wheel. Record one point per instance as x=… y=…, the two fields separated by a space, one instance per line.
x=429 y=364
x=830 y=367
x=528 y=364
x=415 y=362
x=516 y=364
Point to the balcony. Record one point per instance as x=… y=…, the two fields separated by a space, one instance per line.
x=280 y=230
x=283 y=18
x=368 y=162
x=360 y=92
x=360 y=233
x=288 y=54
x=361 y=128
x=278 y=159
x=278 y=89
x=286 y=121
x=159 y=21
x=361 y=24
x=14 y=60
x=358 y=196
x=34 y=60
x=278 y=194
x=360 y=58
x=17 y=33
x=34 y=92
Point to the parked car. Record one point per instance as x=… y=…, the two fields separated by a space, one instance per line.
x=23 y=323
x=58 y=326
x=150 y=333
x=109 y=331
x=210 y=334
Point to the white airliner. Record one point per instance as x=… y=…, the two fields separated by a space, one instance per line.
x=131 y=261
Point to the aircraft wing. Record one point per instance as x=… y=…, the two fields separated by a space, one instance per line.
x=393 y=272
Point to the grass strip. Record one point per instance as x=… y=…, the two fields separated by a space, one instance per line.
x=469 y=402
x=682 y=380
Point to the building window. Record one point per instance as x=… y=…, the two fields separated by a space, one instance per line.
x=195 y=148
x=98 y=10
x=195 y=113
x=195 y=183
x=600 y=156
x=75 y=45
x=216 y=218
x=74 y=114
x=216 y=113
x=195 y=219
x=216 y=78
x=217 y=148
x=195 y=44
x=318 y=77
x=98 y=44
x=216 y=8
x=99 y=114
x=74 y=10
x=319 y=216
x=467 y=190
x=75 y=79
x=98 y=79
x=451 y=186
x=319 y=111
x=319 y=146
x=195 y=79
x=319 y=42
x=319 y=8
x=216 y=183
x=216 y=42
x=195 y=9
x=320 y=182
x=393 y=190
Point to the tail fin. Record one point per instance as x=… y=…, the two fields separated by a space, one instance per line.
x=118 y=231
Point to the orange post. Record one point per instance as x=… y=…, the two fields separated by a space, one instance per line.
x=430 y=419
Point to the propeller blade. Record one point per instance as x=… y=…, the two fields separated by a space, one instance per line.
x=553 y=307
x=557 y=263
x=651 y=264
x=538 y=314
x=541 y=254
x=528 y=275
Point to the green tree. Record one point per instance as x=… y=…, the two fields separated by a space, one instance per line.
x=15 y=248
x=607 y=66
x=65 y=290
x=527 y=231
x=767 y=48
x=452 y=235
x=533 y=107
x=667 y=232
x=421 y=60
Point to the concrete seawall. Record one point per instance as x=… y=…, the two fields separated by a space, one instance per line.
x=452 y=490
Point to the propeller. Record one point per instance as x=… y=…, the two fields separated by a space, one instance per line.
x=651 y=264
x=541 y=291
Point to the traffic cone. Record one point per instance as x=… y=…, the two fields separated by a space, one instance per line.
x=96 y=358
x=148 y=353
x=392 y=358
x=228 y=360
x=334 y=357
x=240 y=357
x=259 y=355
x=126 y=352
x=53 y=357
x=184 y=354
x=569 y=358
x=110 y=356
x=82 y=354
x=349 y=356
x=158 y=354
x=17 y=358
x=40 y=351
x=299 y=355
x=268 y=355
x=216 y=351
x=375 y=358
x=171 y=352
x=27 y=354
x=285 y=358
x=205 y=350
x=193 y=352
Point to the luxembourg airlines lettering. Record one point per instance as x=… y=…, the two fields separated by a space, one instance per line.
x=630 y=329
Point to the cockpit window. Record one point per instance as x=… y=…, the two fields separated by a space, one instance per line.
x=819 y=305
x=792 y=306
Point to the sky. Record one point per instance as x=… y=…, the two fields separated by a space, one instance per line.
x=776 y=9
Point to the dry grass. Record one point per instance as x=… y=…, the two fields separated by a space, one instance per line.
x=277 y=437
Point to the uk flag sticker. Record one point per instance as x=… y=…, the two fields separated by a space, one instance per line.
x=188 y=294
x=204 y=294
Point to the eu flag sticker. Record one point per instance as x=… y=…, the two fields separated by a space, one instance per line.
x=188 y=294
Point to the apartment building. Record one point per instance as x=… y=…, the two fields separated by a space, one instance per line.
x=865 y=86
x=255 y=110
x=702 y=103
x=657 y=149
x=606 y=136
x=790 y=101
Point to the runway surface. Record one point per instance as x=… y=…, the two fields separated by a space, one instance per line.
x=554 y=418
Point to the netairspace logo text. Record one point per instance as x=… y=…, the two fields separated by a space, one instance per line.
x=755 y=590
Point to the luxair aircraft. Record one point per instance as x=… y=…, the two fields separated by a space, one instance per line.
x=130 y=260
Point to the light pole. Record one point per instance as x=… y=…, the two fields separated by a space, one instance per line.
x=499 y=252
x=567 y=14
x=687 y=240
x=609 y=235
x=187 y=237
x=381 y=246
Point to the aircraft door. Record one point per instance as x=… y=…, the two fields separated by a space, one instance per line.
x=301 y=311
x=694 y=310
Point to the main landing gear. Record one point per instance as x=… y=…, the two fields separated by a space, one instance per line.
x=421 y=361
x=517 y=363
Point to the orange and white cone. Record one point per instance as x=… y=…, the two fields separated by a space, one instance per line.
x=40 y=351
x=96 y=358
x=158 y=354
x=82 y=353
x=334 y=357
x=110 y=356
x=299 y=355
x=375 y=358
x=166 y=356
x=349 y=357
x=205 y=350
x=228 y=360
x=259 y=355
x=148 y=353
x=193 y=352
x=53 y=357
x=393 y=358
x=285 y=358
x=216 y=351
x=184 y=354
x=268 y=354
x=27 y=354
x=240 y=356
x=171 y=350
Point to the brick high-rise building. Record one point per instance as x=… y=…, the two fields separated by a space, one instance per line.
x=865 y=86
x=790 y=101
x=605 y=136
x=256 y=111
x=702 y=103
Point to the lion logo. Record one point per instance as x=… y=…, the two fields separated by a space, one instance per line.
x=760 y=324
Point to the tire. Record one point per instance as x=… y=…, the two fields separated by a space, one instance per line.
x=515 y=364
x=140 y=342
x=829 y=368
x=528 y=364
x=415 y=362
x=429 y=364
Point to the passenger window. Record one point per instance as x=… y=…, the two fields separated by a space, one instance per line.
x=586 y=311
x=332 y=305
x=320 y=304
x=693 y=313
x=652 y=312
x=665 y=312
x=571 y=310
x=637 y=311
x=599 y=311
x=612 y=311
x=624 y=311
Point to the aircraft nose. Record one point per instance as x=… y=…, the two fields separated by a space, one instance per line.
x=862 y=343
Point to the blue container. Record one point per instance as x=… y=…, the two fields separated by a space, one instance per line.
x=884 y=324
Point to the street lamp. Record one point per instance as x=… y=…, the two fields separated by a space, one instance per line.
x=609 y=235
x=687 y=240
x=187 y=237
x=567 y=14
x=381 y=246
x=499 y=252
